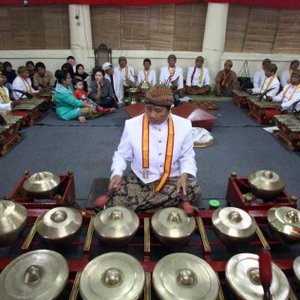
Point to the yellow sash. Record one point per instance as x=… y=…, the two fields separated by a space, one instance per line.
x=4 y=96
x=286 y=90
x=269 y=83
x=200 y=75
x=169 y=150
x=26 y=85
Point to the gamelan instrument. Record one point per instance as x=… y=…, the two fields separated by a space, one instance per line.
x=9 y=132
x=262 y=189
x=240 y=98
x=44 y=190
x=288 y=130
x=113 y=275
x=261 y=110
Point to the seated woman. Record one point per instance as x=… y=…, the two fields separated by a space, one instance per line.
x=159 y=147
x=9 y=72
x=81 y=74
x=67 y=106
x=101 y=90
x=22 y=86
x=226 y=80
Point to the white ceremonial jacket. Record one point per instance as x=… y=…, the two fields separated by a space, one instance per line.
x=286 y=102
x=285 y=76
x=130 y=149
x=4 y=106
x=119 y=80
x=205 y=77
x=164 y=76
x=275 y=84
x=258 y=78
x=151 y=77
x=19 y=84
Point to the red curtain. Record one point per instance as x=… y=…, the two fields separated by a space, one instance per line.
x=270 y=3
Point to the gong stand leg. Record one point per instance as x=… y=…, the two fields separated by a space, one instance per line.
x=89 y=236
x=292 y=295
x=147 y=287
x=220 y=291
x=30 y=236
x=203 y=235
x=261 y=236
x=75 y=288
x=147 y=235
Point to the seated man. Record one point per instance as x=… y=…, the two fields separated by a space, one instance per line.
x=43 y=79
x=198 y=79
x=286 y=75
x=259 y=75
x=290 y=93
x=226 y=80
x=163 y=167
x=147 y=74
x=5 y=103
x=123 y=77
x=172 y=76
x=22 y=85
x=270 y=83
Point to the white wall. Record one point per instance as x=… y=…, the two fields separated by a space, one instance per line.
x=53 y=59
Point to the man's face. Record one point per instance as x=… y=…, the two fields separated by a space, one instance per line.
x=147 y=65
x=172 y=62
x=295 y=79
x=123 y=63
x=199 y=63
x=110 y=71
x=156 y=114
x=268 y=73
x=24 y=74
x=227 y=67
x=295 y=66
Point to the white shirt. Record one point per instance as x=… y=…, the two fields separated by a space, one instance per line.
x=151 y=74
x=165 y=78
x=119 y=80
x=258 y=78
x=22 y=85
x=205 y=77
x=286 y=102
x=265 y=85
x=130 y=149
x=4 y=106
x=285 y=76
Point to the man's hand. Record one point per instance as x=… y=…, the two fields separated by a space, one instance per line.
x=182 y=184
x=115 y=183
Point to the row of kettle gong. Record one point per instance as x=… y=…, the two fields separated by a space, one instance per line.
x=43 y=274
x=172 y=226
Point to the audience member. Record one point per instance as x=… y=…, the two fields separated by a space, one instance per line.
x=8 y=71
x=43 y=79
x=71 y=60
x=31 y=69
x=81 y=74
x=109 y=75
x=101 y=90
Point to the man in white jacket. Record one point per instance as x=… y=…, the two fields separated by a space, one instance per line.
x=159 y=147
x=198 y=79
x=23 y=84
x=290 y=93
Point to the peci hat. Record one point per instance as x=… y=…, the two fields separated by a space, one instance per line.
x=159 y=95
x=106 y=66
